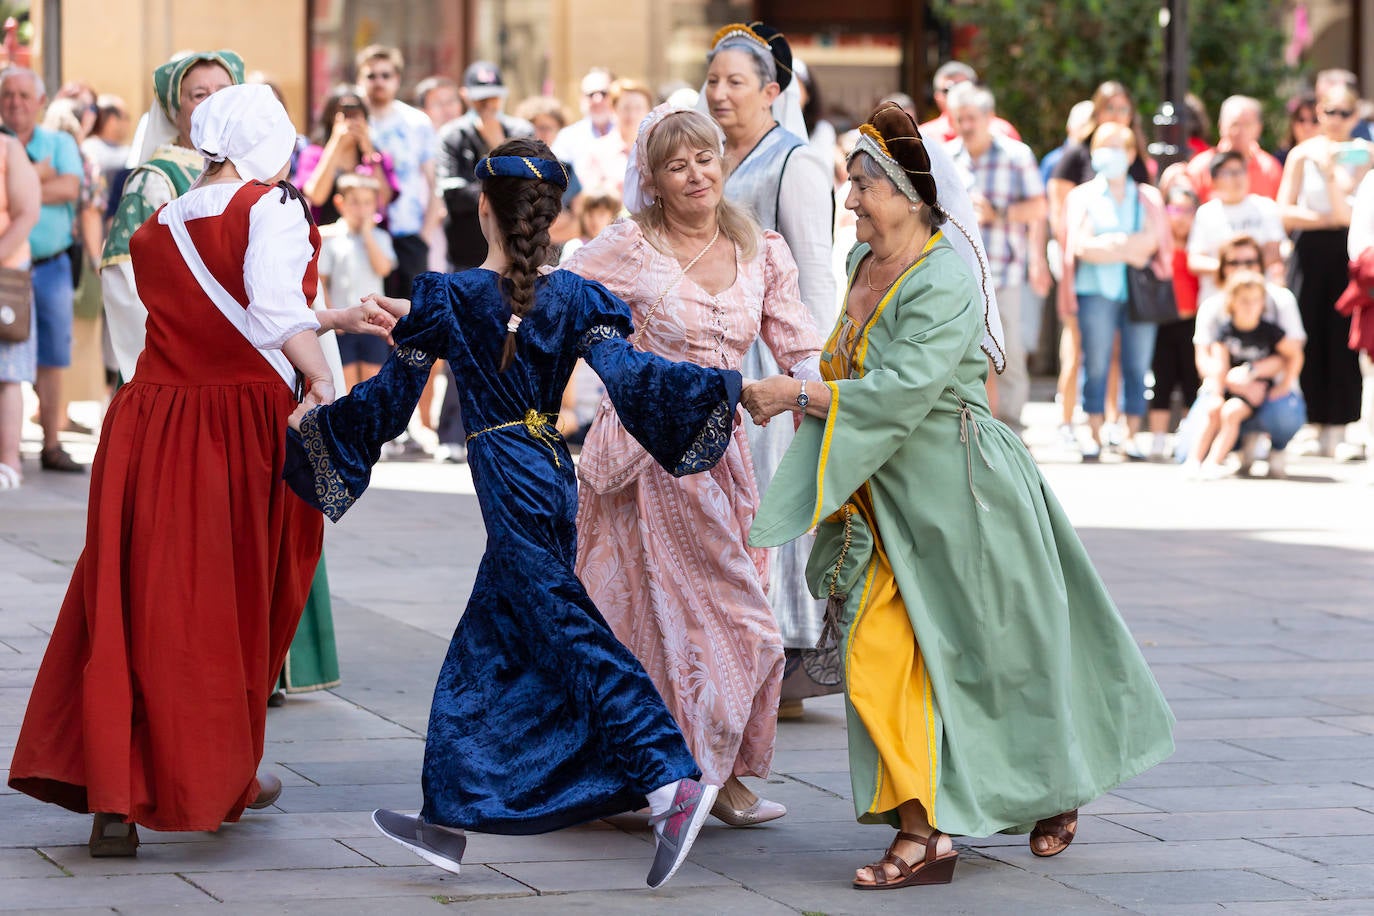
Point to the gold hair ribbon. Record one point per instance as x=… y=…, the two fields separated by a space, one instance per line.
x=537 y=174
x=540 y=426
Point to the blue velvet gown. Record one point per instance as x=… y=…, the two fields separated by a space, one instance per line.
x=541 y=718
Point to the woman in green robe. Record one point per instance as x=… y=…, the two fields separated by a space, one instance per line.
x=1025 y=695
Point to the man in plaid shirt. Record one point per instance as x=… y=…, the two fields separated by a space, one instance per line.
x=1009 y=197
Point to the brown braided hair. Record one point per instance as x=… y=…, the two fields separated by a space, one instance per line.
x=524 y=209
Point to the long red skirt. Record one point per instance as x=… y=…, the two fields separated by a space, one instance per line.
x=151 y=700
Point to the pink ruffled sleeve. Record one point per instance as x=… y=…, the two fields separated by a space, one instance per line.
x=788 y=327
x=615 y=259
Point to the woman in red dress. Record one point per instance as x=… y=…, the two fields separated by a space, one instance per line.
x=150 y=704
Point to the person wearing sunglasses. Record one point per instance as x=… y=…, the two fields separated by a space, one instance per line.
x=404 y=133
x=1240 y=124
x=1233 y=210
x=598 y=117
x=1319 y=181
x=1302 y=122
x=1285 y=410
x=950 y=74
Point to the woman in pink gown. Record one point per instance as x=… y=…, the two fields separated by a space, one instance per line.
x=665 y=558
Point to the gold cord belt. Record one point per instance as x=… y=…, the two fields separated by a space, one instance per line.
x=540 y=426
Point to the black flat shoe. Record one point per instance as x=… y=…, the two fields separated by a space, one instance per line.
x=112 y=838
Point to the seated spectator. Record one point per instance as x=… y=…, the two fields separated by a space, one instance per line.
x=1284 y=411
x=1246 y=356
x=1233 y=211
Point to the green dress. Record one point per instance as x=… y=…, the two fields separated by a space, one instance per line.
x=1025 y=696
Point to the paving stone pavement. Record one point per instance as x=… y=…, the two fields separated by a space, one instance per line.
x=1251 y=599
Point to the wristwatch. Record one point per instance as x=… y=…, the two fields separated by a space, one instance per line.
x=802 y=399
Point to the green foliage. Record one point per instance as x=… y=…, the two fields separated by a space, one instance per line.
x=1040 y=58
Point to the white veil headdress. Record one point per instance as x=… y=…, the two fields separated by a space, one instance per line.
x=952 y=199
x=637 y=195
x=787 y=109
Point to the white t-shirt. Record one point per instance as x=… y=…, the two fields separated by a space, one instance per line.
x=1217 y=223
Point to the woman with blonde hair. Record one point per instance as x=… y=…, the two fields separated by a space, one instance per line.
x=665 y=558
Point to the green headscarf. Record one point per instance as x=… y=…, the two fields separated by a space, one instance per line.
x=167 y=78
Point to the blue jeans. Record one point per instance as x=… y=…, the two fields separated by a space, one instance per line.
x=1099 y=320
x=1280 y=418
x=52 y=311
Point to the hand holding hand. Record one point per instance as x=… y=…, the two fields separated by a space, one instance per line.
x=294 y=421
x=365 y=318
x=319 y=393
x=398 y=308
x=766 y=398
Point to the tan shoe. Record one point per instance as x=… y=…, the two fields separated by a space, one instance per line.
x=760 y=812
x=269 y=790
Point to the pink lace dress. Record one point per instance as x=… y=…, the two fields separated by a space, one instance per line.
x=665 y=558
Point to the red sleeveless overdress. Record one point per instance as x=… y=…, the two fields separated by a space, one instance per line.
x=151 y=699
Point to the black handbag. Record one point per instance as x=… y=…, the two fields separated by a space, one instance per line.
x=1151 y=300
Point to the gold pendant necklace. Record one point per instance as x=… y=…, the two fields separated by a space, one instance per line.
x=868 y=281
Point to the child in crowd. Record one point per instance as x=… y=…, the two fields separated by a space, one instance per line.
x=1174 y=364
x=595 y=211
x=1255 y=351
x=355 y=257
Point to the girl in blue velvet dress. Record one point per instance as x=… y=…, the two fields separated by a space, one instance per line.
x=541 y=719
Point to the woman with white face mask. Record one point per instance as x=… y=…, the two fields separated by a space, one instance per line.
x=1112 y=222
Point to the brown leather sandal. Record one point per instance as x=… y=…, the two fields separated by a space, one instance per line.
x=1061 y=827
x=933 y=869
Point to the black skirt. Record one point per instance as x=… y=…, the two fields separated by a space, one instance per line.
x=1317 y=274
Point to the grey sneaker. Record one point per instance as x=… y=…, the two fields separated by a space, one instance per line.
x=676 y=829
x=441 y=846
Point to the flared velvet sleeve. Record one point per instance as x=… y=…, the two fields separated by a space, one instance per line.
x=929 y=316
x=329 y=462
x=681 y=413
